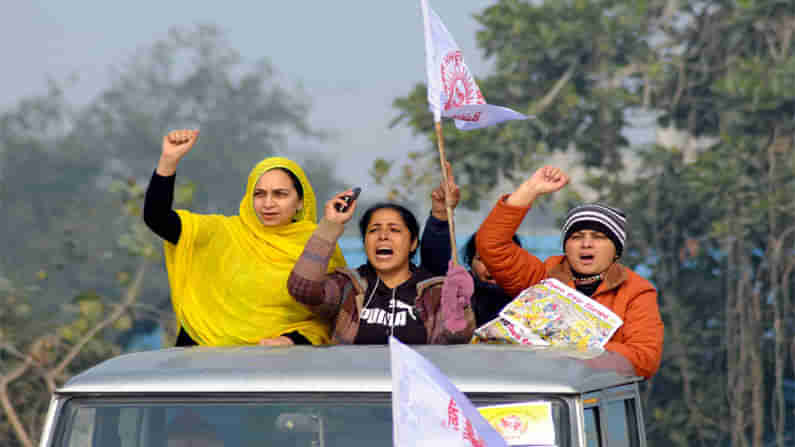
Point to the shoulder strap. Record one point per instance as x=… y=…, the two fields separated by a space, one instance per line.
x=356 y=282
x=430 y=282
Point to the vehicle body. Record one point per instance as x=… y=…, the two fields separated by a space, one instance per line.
x=321 y=396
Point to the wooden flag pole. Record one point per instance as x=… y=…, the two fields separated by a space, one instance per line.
x=450 y=221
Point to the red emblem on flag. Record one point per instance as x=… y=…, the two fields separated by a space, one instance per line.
x=469 y=435
x=452 y=415
x=459 y=87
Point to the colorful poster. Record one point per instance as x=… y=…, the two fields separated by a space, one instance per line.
x=522 y=424
x=552 y=315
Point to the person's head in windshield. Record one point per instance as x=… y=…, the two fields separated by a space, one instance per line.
x=187 y=429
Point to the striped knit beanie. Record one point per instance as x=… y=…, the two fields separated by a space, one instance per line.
x=598 y=217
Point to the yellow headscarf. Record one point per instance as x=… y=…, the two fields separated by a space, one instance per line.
x=228 y=274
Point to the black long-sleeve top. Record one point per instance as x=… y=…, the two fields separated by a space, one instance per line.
x=158 y=214
x=435 y=249
x=435 y=246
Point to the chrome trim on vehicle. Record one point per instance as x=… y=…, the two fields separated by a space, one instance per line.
x=49 y=421
x=472 y=368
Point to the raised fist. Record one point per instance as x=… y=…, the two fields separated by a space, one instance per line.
x=546 y=180
x=178 y=143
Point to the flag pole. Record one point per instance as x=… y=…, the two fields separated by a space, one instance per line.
x=446 y=186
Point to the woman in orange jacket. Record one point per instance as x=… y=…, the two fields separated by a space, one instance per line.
x=593 y=241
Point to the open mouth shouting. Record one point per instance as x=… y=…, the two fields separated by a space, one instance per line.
x=384 y=253
x=388 y=242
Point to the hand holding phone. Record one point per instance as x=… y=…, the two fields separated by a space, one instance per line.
x=348 y=200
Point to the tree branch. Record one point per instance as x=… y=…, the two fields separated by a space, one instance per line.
x=132 y=294
x=5 y=401
x=680 y=87
x=13 y=418
x=542 y=105
x=11 y=349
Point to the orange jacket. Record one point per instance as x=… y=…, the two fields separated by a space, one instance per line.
x=627 y=294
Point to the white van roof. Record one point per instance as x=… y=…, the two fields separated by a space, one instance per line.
x=254 y=369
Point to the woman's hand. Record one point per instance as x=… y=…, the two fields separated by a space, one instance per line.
x=176 y=144
x=457 y=291
x=278 y=341
x=333 y=214
x=439 y=198
x=544 y=181
x=612 y=361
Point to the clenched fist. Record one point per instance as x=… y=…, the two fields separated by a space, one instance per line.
x=547 y=180
x=544 y=181
x=176 y=144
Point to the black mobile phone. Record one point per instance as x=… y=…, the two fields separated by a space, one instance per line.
x=348 y=200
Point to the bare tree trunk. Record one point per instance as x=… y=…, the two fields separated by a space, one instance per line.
x=754 y=342
x=731 y=352
x=27 y=362
x=676 y=328
x=736 y=349
x=773 y=252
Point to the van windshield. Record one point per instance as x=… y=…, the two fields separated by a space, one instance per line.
x=317 y=420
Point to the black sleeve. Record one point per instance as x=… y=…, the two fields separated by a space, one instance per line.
x=183 y=339
x=158 y=215
x=297 y=338
x=435 y=246
x=487 y=301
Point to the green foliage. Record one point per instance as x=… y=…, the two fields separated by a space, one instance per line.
x=707 y=229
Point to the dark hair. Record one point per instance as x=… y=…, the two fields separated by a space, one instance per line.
x=470 y=249
x=294 y=178
x=405 y=214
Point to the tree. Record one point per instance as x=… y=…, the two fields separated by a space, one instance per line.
x=34 y=366
x=711 y=210
x=734 y=81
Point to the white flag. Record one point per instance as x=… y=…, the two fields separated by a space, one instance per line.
x=452 y=91
x=428 y=410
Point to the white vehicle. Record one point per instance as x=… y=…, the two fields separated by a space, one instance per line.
x=321 y=396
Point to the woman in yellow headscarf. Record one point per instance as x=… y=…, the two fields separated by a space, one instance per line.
x=228 y=274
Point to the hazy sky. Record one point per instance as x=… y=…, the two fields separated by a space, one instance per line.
x=352 y=57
